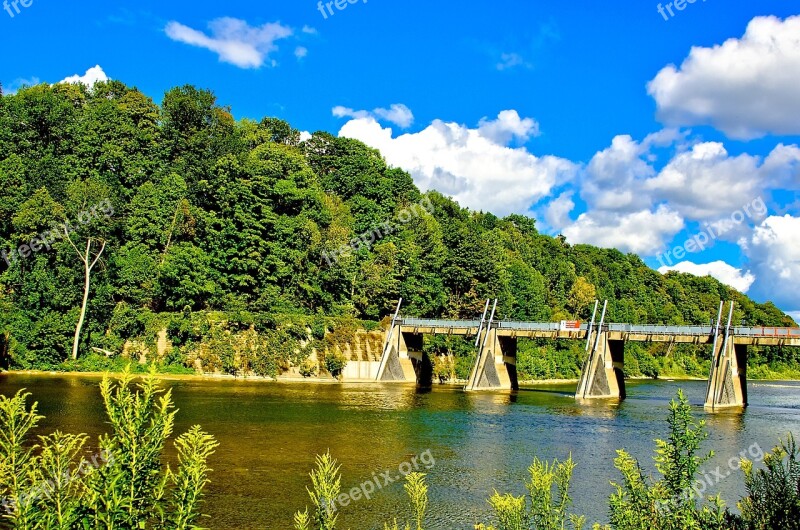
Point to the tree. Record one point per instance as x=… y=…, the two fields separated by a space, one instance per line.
x=88 y=264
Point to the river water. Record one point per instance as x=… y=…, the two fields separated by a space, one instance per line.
x=473 y=443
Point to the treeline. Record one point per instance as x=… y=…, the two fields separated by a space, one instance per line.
x=199 y=212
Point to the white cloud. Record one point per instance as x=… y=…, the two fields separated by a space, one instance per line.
x=234 y=40
x=511 y=60
x=795 y=315
x=304 y=136
x=308 y=30
x=558 y=210
x=773 y=250
x=641 y=232
x=686 y=180
x=745 y=87
x=471 y=164
x=300 y=52
x=700 y=183
x=507 y=127
x=727 y=274
x=397 y=114
x=92 y=76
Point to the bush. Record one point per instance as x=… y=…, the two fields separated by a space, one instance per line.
x=669 y=503
x=444 y=368
x=326 y=487
x=335 y=362
x=546 y=506
x=308 y=368
x=47 y=486
x=773 y=499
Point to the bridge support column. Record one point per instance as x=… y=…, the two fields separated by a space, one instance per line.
x=403 y=360
x=603 y=375
x=496 y=364
x=727 y=384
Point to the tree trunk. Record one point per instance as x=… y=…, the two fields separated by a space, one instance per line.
x=82 y=318
x=87 y=269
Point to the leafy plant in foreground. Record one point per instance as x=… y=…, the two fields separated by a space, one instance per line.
x=48 y=484
x=546 y=507
x=669 y=503
x=773 y=499
x=326 y=485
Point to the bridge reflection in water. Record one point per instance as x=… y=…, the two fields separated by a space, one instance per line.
x=602 y=375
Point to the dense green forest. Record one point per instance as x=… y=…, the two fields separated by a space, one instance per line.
x=194 y=217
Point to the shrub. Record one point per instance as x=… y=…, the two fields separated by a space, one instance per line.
x=444 y=368
x=335 y=362
x=417 y=491
x=773 y=499
x=308 y=368
x=546 y=506
x=45 y=486
x=669 y=503
x=326 y=486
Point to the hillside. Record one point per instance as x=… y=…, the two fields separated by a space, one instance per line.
x=202 y=213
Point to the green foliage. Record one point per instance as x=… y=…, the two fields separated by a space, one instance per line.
x=325 y=488
x=547 y=503
x=452 y=356
x=773 y=493
x=49 y=485
x=417 y=491
x=335 y=362
x=669 y=503
x=18 y=463
x=443 y=368
x=308 y=368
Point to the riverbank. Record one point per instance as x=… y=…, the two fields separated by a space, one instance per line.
x=166 y=376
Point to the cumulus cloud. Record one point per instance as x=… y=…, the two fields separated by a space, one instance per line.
x=300 y=52
x=700 y=183
x=397 y=114
x=92 y=76
x=641 y=232
x=234 y=40
x=745 y=87
x=558 y=210
x=474 y=165
x=727 y=274
x=773 y=251
x=507 y=127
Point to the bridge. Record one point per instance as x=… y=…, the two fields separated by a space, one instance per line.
x=602 y=375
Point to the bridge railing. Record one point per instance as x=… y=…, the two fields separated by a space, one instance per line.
x=762 y=331
x=438 y=323
x=535 y=326
x=655 y=329
x=638 y=329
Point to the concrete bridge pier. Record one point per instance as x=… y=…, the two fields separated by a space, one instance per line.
x=403 y=360
x=603 y=374
x=727 y=383
x=496 y=364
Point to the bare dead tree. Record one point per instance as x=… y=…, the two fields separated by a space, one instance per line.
x=88 y=265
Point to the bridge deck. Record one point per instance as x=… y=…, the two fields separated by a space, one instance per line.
x=756 y=336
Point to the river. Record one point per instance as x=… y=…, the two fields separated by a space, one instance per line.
x=479 y=442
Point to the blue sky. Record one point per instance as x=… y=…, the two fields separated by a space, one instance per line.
x=609 y=122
